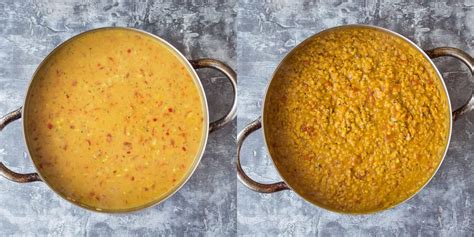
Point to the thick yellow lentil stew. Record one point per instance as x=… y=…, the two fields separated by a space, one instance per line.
x=114 y=120
x=356 y=120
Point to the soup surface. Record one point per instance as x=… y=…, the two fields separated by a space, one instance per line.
x=114 y=120
x=356 y=120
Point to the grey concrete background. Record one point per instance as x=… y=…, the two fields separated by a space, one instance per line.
x=264 y=32
x=31 y=29
x=267 y=30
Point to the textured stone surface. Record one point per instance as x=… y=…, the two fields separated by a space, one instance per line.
x=31 y=29
x=266 y=31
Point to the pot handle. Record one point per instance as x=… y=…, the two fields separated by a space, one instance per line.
x=466 y=59
x=231 y=76
x=243 y=177
x=6 y=172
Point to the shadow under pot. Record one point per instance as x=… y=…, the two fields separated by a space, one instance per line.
x=357 y=119
x=116 y=119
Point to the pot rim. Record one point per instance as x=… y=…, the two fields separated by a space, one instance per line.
x=440 y=77
x=199 y=154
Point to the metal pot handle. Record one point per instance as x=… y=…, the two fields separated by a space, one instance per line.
x=6 y=172
x=231 y=76
x=466 y=59
x=243 y=177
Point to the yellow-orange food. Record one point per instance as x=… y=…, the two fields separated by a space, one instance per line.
x=356 y=120
x=114 y=120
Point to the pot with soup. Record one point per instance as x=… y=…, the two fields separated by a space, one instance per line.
x=357 y=119
x=116 y=119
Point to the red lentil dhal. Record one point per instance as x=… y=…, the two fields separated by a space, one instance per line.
x=356 y=120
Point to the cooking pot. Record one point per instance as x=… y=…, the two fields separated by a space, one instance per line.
x=190 y=65
x=260 y=122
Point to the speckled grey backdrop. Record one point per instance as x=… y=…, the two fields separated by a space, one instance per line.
x=267 y=30
x=31 y=29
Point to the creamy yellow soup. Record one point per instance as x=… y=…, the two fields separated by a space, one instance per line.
x=115 y=120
